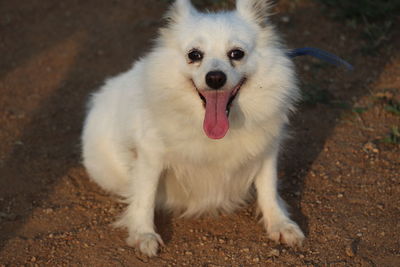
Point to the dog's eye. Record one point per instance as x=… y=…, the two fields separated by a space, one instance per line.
x=195 y=55
x=236 y=54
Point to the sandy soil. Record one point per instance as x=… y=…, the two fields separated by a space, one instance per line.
x=341 y=181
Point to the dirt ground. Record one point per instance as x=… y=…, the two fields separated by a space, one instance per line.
x=341 y=180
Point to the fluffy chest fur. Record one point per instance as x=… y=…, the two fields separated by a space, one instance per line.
x=208 y=186
x=206 y=176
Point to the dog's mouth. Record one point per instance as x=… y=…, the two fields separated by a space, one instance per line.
x=217 y=104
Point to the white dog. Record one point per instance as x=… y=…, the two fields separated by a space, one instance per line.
x=192 y=126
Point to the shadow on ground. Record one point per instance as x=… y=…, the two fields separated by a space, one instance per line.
x=55 y=54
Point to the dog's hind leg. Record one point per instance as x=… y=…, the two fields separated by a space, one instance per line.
x=141 y=195
x=280 y=227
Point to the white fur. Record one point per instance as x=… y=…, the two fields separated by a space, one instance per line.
x=143 y=136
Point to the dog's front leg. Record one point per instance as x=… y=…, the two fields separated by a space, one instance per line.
x=280 y=227
x=141 y=195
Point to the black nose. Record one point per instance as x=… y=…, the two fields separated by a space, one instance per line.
x=215 y=79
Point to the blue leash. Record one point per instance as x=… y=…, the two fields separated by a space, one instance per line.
x=320 y=54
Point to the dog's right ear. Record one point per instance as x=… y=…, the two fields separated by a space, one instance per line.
x=180 y=10
x=255 y=10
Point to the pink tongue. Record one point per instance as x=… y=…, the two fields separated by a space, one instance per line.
x=216 y=122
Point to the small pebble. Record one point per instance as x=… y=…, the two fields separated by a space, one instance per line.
x=349 y=251
x=285 y=19
x=273 y=253
x=48 y=211
x=370 y=147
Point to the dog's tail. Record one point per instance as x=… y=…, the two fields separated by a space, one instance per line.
x=320 y=54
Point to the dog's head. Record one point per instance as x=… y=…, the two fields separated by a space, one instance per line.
x=219 y=53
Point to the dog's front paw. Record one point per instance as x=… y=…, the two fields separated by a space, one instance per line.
x=286 y=232
x=147 y=243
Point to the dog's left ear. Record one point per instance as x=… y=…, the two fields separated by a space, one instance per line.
x=180 y=10
x=255 y=10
